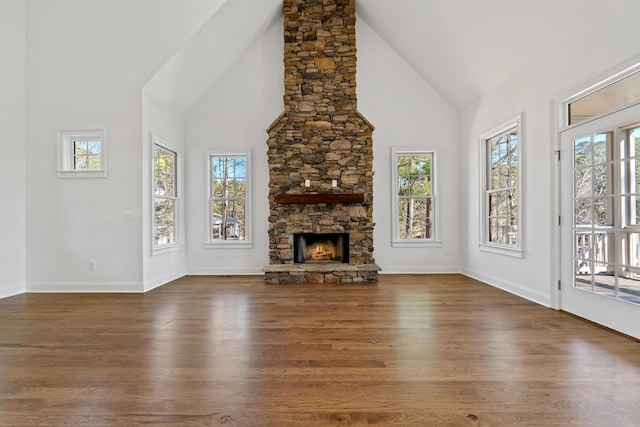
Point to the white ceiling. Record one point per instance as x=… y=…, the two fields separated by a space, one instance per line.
x=465 y=48
x=211 y=52
x=462 y=48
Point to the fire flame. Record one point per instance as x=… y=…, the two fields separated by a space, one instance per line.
x=319 y=252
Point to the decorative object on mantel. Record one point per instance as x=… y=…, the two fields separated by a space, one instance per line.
x=320 y=198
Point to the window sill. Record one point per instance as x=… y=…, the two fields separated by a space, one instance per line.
x=416 y=243
x=228 y=244
x=82 y=174
x=502 y=250
x=160 y=250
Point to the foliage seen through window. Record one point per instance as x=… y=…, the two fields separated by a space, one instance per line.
x=415 y=196
x=165 y=200
x=228 y=197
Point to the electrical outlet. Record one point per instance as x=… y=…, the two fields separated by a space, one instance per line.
x=307 y=183
x=93 y=265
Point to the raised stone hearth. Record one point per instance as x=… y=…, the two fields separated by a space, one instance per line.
x=320 y=149
x=321 y=273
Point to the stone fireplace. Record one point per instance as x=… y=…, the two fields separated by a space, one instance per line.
x=320 y=153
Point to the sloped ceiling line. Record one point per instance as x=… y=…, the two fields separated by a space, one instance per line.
x=462 y=48
x=211 y=52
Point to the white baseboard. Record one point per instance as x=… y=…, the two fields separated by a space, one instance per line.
x=414 y=269
x=7 y=291
x=513 y=288
x=162 y=280
x=224 y=271
x=85 y=287
x=251 y=271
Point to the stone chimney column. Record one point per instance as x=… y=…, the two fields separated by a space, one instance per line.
x=320 y=144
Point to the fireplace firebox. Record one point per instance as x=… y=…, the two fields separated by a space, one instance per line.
x=321 y=248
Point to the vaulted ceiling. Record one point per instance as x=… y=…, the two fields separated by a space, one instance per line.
x=463 y=48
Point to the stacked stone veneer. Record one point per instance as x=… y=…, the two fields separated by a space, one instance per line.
x=320 y=137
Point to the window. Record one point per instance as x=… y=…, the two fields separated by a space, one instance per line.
x=228 y=196
x=606 y=212
x=606 y=96
x=165 y=196
x=414 y=197
x=501 y=202
x=82 y=154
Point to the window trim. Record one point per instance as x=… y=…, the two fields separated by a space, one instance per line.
x=396 y=241
x=595 y=84
x=66 y=138
x=484 y=244
x=210 y=243
x=175 y=245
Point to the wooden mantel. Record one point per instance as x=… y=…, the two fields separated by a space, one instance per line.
x=320 y=198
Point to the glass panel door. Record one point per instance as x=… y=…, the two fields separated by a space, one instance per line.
x=600 y=215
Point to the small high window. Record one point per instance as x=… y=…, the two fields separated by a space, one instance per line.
x=605 y=97
x=82 y=153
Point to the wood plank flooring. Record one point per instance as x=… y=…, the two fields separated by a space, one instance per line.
x=437 y=350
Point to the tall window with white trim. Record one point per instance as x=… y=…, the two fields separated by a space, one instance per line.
x=165 y=196
x=501 y=198
x=414 y=219
x=228 y=201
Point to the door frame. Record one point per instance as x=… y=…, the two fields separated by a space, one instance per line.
x=558 y=120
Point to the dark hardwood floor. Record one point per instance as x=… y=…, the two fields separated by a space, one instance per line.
x=441 y=350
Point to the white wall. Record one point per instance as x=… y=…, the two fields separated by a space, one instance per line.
x=96 y=81
x=407 y=112
x=86 y=65
x=404 y=108
x=235 y=115
x=160 y=122
x=12 y=161
x=500 y=270
x=561 y=69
